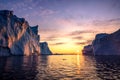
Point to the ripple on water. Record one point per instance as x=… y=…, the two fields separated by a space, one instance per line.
x=60 y=67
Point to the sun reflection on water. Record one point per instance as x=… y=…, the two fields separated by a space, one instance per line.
x=80 y=62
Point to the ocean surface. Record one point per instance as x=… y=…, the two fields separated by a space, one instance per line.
x=60 y=67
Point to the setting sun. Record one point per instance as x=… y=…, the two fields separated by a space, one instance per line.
x=69 y=47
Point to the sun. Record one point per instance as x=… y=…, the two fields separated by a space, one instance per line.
x=77 y=51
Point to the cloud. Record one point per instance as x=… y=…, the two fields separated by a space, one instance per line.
x=89 y=41
x=84 y=43
x=41 y=12
x=58 y=43
x=45 y=12
x=47 y=30
x=80 y=43
x=66 y=22
x=107 y=23
x=79 y=32
x=50 y=34
x=51 y=38
x=77 y=37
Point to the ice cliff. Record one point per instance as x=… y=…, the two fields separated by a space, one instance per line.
x=105 y=44
x=16 y=36
x=44 y=48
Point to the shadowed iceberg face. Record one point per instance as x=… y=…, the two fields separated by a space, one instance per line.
x=105 y=44
x=88 y=50
x=44 y=48
x=16 y=37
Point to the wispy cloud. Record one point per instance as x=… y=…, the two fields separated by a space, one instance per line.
x=58 y=43
x=65 y=23
x=79 y=32
x=51 y=38
x=84 y=43
x=46 y=30
x=89 y=41
x=80 y=43
x=106 y=23
x=77 y=37
x=45 y=12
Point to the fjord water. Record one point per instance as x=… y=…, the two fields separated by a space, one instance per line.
x=60 y=67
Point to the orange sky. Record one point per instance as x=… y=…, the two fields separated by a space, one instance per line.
x=72 y=41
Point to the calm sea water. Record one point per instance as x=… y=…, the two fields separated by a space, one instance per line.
x=60 y=67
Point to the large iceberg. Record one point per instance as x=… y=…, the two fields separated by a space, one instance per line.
x=16 y=36
x=106 y=44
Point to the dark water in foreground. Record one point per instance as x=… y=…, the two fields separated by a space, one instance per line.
x=60 y=67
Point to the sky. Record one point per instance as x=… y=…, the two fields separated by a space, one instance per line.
x=67 y=25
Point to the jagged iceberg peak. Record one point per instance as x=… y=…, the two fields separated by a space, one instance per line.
x=16 y=36
x=6 y=12
x=34 y=29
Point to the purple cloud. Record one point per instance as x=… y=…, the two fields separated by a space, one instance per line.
x=84 y=43
x=78 y=32
x=107 y=23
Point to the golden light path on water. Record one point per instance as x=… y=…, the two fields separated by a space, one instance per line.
x=65 y=67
